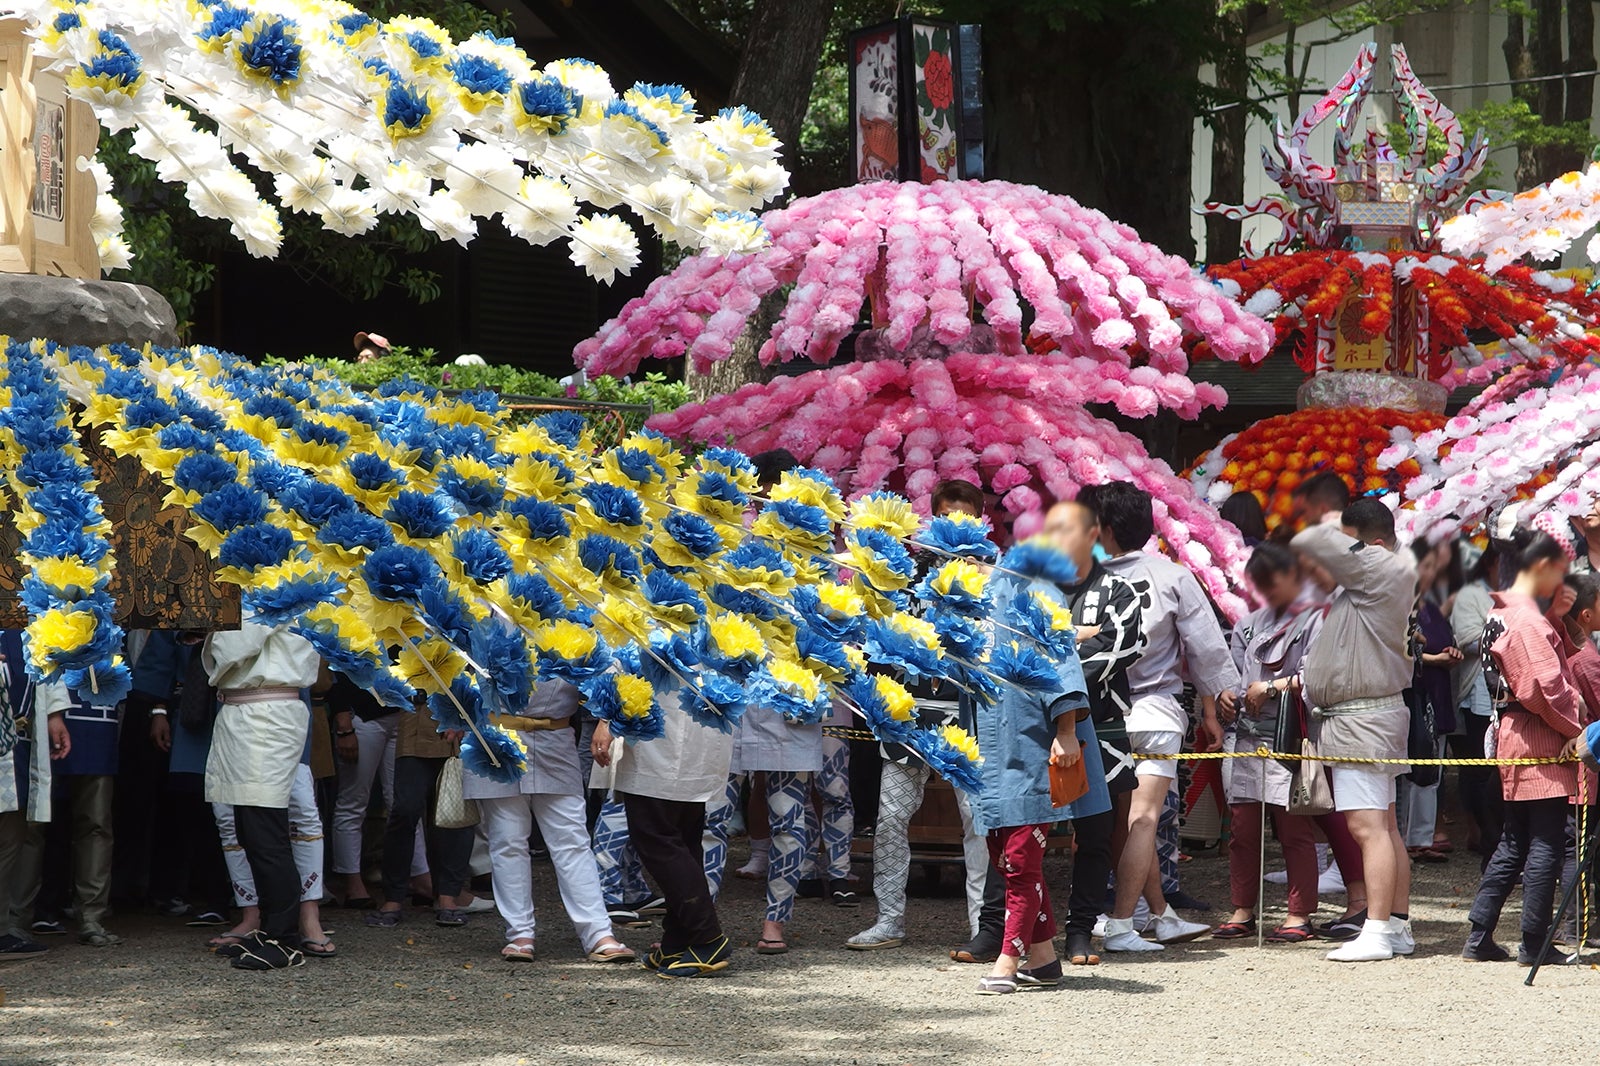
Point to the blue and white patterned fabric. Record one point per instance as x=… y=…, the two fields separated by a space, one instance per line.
x=621 y=874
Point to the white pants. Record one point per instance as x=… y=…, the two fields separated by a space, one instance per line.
x=305 y=838
x=508 y=822
x=375 y=744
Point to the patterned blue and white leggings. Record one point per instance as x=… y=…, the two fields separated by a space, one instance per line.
x=831 y=840
x=621 y=873
x=788 y=797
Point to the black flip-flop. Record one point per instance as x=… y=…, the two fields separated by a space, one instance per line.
x=771 y=947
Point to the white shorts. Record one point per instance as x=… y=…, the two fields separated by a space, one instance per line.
x=1156 y=742
x=1358 y=789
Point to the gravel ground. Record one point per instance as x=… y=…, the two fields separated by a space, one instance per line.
x=422 y=994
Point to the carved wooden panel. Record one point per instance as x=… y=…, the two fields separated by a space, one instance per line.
x=162 y=580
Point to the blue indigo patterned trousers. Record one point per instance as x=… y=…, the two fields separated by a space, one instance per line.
x=831 y=840
x=788 y=796
x=621 y=873
x=1167 y=843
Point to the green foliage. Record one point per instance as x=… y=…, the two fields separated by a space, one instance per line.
x=653 y=390
x=1515 y=123
x=175 y=251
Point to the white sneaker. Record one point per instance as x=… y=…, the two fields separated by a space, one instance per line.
x=1373 y=945
x=1121 y=937
x=1400 y=938
x=1171 y=929
x=1278 y=877
x=1330 y=882
x=479 y=905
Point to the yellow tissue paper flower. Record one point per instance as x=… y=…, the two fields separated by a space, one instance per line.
x=798 y=545
x=794 y=676
x=1060 y=617
x=808 y=489
x=565 y=639
x=637 y=695
x=621 y=622
x=877 y=604
x=58 y=631
x=960 y=575
x=66 y=576
x=840 y=602
x=350 y=625
x=736 y=637
x=890 y=513
x=917 y=630
x=430 y=664
x=899 y=702
x=962 y=741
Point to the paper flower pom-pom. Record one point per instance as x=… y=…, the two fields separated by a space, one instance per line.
x=793 y=691
x=534 y=593
x=959 y=586
x=609 y=559
x=315 y=503
x=510 y=754
x=960 y=535
x=627 y=703
x=836 y=613
x=1024 y=667
x=908 y=643
x=671 y=600
x=571 y=652
x=106 y=686
x=420 y=515
x=952 y=753
x=878 y=559
x=885 y=705
x=714 y=700
x=481 y=557
x=732 y=645
x=886 y=511
x=230 y=506
x=398 y=572
x=1042 y=619
x=252 y=547
x=200 y=474
x=542 y=520
x=1038 y=559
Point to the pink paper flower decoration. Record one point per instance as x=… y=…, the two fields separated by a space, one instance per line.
x=932 y=253
x=1028 y=445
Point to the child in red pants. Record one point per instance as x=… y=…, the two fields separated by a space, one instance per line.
x=1018 y=737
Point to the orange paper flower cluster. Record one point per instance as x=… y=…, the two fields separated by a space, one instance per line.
x=1453 y=299
x=1274 y=456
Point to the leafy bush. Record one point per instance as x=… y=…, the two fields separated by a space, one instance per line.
x=653 y=391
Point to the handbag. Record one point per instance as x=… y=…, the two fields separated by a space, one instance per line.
x=1309 y=790
x=451 y=808
x=1290 y=731
x=1421 y=739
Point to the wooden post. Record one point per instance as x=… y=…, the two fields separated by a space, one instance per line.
x=46 y=202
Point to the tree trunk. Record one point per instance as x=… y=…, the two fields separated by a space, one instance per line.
x=1099 y=109
x=1580 y=58
x=1519 y=63
x=776 y=71
x=1549 y=96
x=1227 y=141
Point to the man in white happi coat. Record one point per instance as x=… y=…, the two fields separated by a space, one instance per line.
x=260 y=673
